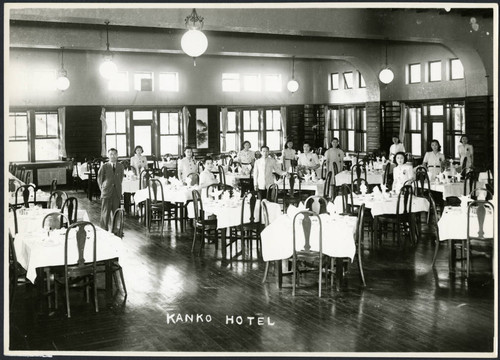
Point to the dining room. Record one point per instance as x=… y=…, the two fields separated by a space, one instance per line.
x=255 y=179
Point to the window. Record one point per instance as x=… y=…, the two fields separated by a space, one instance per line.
x=251 y=82
x=169 y=133
x=230 y=82
x=231 y=134
x=457 y=69
x=334 y=81
x=142 y=122
x=272 y=82
x=119 y=82
x=273 y=129
x=17 y=130
x=435 y=71
x=46 y=136
x=334 y=123
x=415 y=130
x=362 y=83
x=348 y=80
x=415 y=73
x=361 y=128
x=457 y=114
x=44 y=80
x=169 y=81
x=143 y=81
x=251 y=127
x=350 y=127
x=436 y=110
x=116 y=131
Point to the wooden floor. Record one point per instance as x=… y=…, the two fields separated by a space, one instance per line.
x=406 y=306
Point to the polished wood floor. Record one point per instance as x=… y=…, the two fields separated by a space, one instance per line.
x=406 y=306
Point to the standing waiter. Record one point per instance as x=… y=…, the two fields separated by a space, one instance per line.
x=110 y=179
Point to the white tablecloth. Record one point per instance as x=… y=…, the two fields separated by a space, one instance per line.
x=41 y=196
x=317 y=186
x=384 y=207
x=338 y=237
x=181 y=194
x=35 y=250
x=373 y=177
x=130 y=185
x=453 y=224
x=31 y=219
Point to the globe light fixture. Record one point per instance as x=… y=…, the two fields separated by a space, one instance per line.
x=108 y=68
x=194 y=42
x=62 y=81
x=386 y=75
x=293 y=84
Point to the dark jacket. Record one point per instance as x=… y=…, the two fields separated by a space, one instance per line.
x=107 y=179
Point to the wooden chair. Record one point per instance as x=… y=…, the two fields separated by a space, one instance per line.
x=265 y=221
x=17 y=275
x=170 y=172
x=155 y=204
x=328 y=187
x=83 y=273
x=201 y=167
x=57 y=199
x=195 y=178
x=304 y=253
x=204 y=228
x=348 y=207
x=22 y=174
x=358 y=172
x=93 y=186
x=53 y=186
x=434 y=215
x=323 y=170
x=421 y=180
x=13 y=226
x=356 y=185
x=316 y=204
x=272 y=193
x=292 y=196
x=25 y=191
x=54 y=220
x=117 y=229
x=27 y=177
x=248 y=231
x=70 y=209
x=222 y=175
x=470 y=181
x=12 y=168
x=386 y=179
x=488 y=195
x=77 y=181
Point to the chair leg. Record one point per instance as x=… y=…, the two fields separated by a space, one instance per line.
x=194 y=239
x=66 y=285
x=94 y=284
x=435 y=252
x=265 y=272
x=123 y=282
x=294 y=275
x=360 y=267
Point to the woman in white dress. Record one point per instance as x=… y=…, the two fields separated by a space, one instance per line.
x=138 y=161
x=246 y=156
x=334 y=155
x=402 y=172
x=395 y=148
x=466 y=151
x=433 y=160
x=288 y=155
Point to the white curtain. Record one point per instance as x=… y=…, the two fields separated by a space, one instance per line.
x=283 y=125
x=61 y=112
x=223 y=128
x=327 y=135
x=402 y=123
x=103 y=132
x=185 y=123
x=240 y=136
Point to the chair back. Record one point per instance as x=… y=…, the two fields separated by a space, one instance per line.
x=358 y=171
x=22 y=174
x=316 y=204
x=144 y=177
x=328 y=185
x=292 y=180
x=264 y=212
x=335 y=168
x=386 y=174
x=117 y=227
x=24 y=191
x=464 y=167
x=57 y=199
x=12 y=168
x=170 y=172
x=347 y=200
x=70 y=209
x=359 y=227
x=55 y=220
x=484 y=192
x=272 y=193
x=409 y=157
x=323 y=170
x=155 y=190
x=405 y=199
x=222 y=175
x=12 y=208
x=198 y=206
x=470 y=180
x=201 y=167
x=195 y=178
x=251 y=199
x=53 y=186
x=306 y=217
x=356 y=185
x=477 y=212
x=85 y=233
x=421 y=179
x=94 y=169
x=27 y=177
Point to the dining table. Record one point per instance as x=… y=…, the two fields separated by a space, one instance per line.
x=42 y=198
x=372 y=177
x=314 y=185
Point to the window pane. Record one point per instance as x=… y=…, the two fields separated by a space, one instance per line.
x=349 y=113
x=17 y=151
x=174 y=123
x=110 y=142
x=457 y=69
x=121 y=145
x=272 y=82
x=169 y=82
x=143 y=81
x=273 y=140
x=52 y=125
x=362 y=83
x=254 y=114
x=169 y=145
x=121 y=126
x=231 y=142
x=436 y=110
x=269 y=119
x=363 y=119
x=350 y=140
x=435 y=71
x=110 y=123
x=437 y=132
x=230 y=82
x=415 y=144
x=334 y=114
x=348 y=80
x=251 y=83
x=276 y=119
x=40 y=125
x=458 y=119
x=119 y=82
x=414 y=73
x=415 y=117
x=231 y=121
x=364 y=142
x=253 y=137
x=335 y=81
x=19 y=128
x=457 y=143
x=143 y=115
x=46 y=149
x=142 y=136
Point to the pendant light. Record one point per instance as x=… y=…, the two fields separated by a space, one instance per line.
x=194 y=42
x=386 y=75
x=62 y=82
x=293 y=85
x=108 y=68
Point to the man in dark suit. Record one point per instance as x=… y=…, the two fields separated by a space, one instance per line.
x=110 y=179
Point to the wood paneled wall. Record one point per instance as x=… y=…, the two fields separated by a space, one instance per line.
x=479 y=128
x=83 y=131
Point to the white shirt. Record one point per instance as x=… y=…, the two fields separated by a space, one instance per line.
x=401 y=174
x=466 y=151
x=207 y=178
x=186 y=167
x=308 y=160
x=433 y=162
x=394 y=149
x=263 y=172
x=334 y=155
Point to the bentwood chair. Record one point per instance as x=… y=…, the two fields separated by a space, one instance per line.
x=57 y=199
x=358 y=172
x=348 y=207
x=70 y=209
x=54 y=220
x=17 y=275
x=212 y=188
x=204 y=228
x=292 y=196
x=316 y=204
x=117 y=230
x=25 y=191
x=81 y=274
x=53 y=186
x=328 y=187
x=248 y=231
x=155 y=204
x=272 y=193
x=195 y=178
x=222 y=175
x=422 y=182
x=470 y=181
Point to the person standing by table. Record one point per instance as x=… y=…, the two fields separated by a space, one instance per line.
x=466 y=151
x=433 y=160
x=246 y=156
x=402 y=172
x=334 y=155
x=395 y=148
x=308 y=159
x=138 y=161
x=263 y=172
x=288 y=155
x=110 y=178
x=187 y=165
x=207 y=177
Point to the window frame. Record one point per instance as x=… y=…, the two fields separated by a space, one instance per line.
x=144 y=73
x=451 y=69
x=346 y=83
x=440 y=70
x=332 y=82
x=179 y=130
x=361 y=81
x=410 y=78
x=116 y=134
x=358 y=133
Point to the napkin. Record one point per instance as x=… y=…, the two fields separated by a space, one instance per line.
x=376 y=190
x=458 y=176
x=464 y=201
x=226 y=196
x=330 y=208
x=188 y=181
x=383 y=187
x=216 y=193
x=363 y=189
